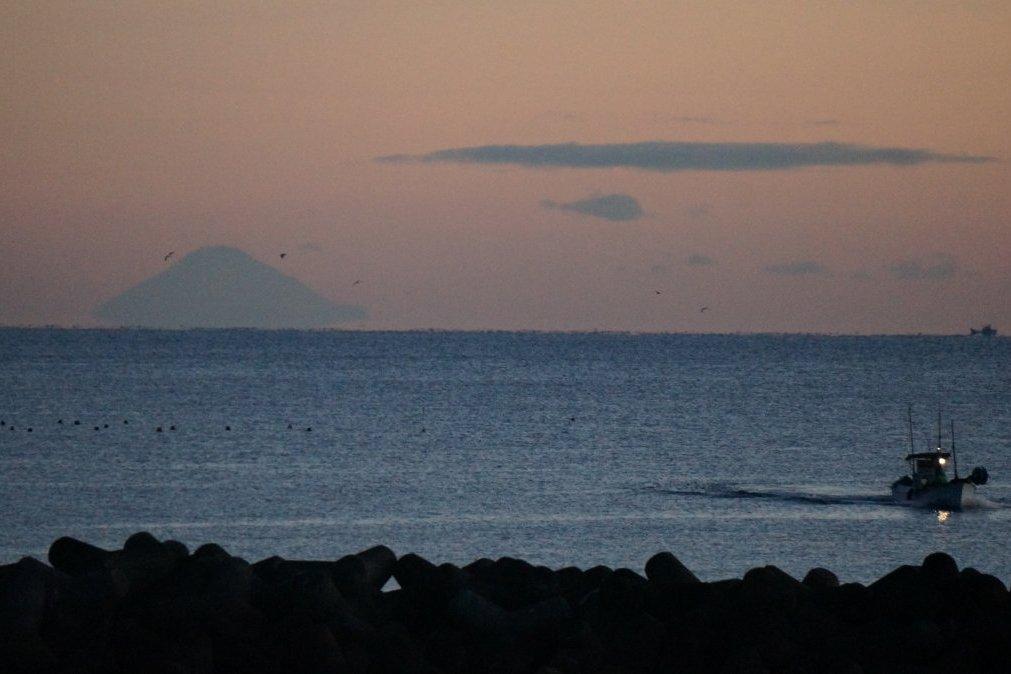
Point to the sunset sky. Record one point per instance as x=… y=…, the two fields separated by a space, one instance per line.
x=794 y=166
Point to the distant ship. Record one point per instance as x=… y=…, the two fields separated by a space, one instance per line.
x=986 y=331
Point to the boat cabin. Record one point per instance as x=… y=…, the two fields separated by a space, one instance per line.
x=928 y=467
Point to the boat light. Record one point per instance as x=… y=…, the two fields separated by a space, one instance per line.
x=942 y=461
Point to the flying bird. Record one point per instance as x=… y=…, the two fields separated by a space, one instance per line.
x=284 y=255
x=356 y=283
x=657 y=292
x=171 y=253
x=703 y=310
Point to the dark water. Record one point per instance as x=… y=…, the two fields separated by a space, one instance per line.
x=731 y=451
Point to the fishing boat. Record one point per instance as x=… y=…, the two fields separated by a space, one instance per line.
x=927 y=484
x=986 y=331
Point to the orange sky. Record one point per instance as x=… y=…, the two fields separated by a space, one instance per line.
x=137 y=128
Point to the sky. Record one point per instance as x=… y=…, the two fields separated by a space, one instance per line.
x=835 y=167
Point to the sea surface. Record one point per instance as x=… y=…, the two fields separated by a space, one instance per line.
x=729 y=450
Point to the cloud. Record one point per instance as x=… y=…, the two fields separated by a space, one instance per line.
x=667 y=156
x=664 y=117
x=699 y=210
x=688 y=119
x=700 y=261
x=937 y=267
x=609 y=207
x=557 y=116
x=798 y=268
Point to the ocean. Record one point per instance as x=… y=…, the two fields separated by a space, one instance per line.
x=731 y=451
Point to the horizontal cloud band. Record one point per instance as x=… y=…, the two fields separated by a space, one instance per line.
x=665 y=156
x=609 y=207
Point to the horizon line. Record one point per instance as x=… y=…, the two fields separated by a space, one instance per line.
x=533 y=331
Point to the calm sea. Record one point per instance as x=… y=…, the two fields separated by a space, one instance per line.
x=730 y=451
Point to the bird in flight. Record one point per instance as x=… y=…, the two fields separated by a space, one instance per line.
x=657 y=292
x=171 y=253
x=284 y=255
x=356 y=283
x=703 y=310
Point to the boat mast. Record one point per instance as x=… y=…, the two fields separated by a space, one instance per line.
x=912 y=447
x=954 y=456
x=938 y=428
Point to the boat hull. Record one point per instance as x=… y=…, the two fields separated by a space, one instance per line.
x=950 y=496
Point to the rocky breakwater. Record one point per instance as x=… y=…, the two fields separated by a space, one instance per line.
x=156 y=607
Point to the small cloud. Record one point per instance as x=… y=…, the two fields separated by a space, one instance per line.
x=614 y=207
x=662 y=117
x=699 y=210
x=798 y=268
x=688 y=119
x=557 y=116
x=668 y=157
x=937 y=267
x=699 y=261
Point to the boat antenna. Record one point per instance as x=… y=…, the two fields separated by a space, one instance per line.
x=912 y=447
x=954 y=456
x=939 y=427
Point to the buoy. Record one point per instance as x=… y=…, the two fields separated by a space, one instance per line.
x=77 y=422
x=158 y=430
x=96 y=428
x=171 y=428
x=60 y=421
x=228 y=428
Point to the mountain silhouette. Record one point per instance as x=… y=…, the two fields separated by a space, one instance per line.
x=223 y=287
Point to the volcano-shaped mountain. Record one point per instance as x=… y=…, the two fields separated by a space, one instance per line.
x=223 y=287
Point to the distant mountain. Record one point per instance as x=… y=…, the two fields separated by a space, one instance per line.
x=222 y=287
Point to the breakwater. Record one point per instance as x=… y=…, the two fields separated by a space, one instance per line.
x=155 y=606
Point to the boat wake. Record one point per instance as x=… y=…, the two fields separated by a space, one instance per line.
x=726 y=490
x=984 y=503
x=818 y=499
x=722 y=490
x=732 y=491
